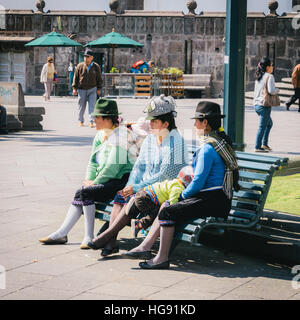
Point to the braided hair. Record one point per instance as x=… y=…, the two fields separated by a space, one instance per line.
x=262 y=68
x=215 y=124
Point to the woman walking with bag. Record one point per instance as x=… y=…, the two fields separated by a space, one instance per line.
x=264 y=93
x=47 y=76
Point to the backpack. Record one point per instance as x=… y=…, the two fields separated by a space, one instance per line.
x=137 y=64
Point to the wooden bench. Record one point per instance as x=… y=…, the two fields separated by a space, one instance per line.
x=256 y=172
x=197 y=85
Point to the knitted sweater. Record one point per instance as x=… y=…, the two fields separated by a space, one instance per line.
x=209 y=171
x=112 y=158
x=167 y=190
x=157 y=163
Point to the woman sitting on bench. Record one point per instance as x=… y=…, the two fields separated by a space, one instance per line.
x=113 y=155
x=209 y=194
x=163 y=154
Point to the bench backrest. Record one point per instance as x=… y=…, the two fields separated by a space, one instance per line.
x=255 y=176
x=196 y=79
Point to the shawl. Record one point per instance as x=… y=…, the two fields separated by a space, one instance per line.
x=227 y=154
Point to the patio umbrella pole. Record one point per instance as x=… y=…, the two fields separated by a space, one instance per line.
x=113 y=56
x=54 y=61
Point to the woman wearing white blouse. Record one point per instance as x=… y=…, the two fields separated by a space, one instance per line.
x=47 y=75
x=263 y=74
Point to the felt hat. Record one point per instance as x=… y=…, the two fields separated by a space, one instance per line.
x=159 y=106
x=207 y=109
x=105 y=107
x=88 y=52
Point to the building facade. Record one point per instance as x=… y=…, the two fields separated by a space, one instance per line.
x=191 y=42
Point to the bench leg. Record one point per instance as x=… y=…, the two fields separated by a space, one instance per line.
x=229 y=242
x=103 y=228
x=173 y=246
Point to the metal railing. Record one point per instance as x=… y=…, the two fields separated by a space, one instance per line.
x=124 y=84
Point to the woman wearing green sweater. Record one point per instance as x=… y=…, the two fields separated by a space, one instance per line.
x=113 y=155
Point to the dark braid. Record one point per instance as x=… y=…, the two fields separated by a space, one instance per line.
x=262 y=68
x=215 y=124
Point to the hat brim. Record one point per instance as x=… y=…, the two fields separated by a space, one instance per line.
x=210 y=117
x=150 y=118
x=105 y=114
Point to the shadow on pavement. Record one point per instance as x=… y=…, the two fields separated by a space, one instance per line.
x=212 y=261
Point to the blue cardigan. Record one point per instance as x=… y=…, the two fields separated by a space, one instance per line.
x=208 y=169
x=157 y=163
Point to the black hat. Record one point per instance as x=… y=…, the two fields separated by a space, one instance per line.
x=207 y=109
x=88 y=52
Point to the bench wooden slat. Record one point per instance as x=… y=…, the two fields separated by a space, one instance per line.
x=102 y=216
x=238 y=220
x=189 y=228
x=247 y=195
x=240 y=214
x=251 y=186
x=257 y=158
x=244 y=205
x=255 y=166
x=253 y=175
x=184 y=237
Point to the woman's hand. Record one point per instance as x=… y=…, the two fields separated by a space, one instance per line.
x=88 y=183
x=127 y=191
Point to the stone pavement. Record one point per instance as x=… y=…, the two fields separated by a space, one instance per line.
x=39 y=174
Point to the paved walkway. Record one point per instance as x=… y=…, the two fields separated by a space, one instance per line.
x=39 y=174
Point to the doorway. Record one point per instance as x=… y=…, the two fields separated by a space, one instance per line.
x=13 y=68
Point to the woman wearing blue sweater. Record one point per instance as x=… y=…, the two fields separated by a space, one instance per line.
x=162 y=155
x=209 y=194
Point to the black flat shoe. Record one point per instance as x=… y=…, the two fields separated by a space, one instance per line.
x=92 y=245
x=143 y=255
x=163 y=265
x=107 y=252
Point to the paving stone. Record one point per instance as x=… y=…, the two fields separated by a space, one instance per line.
x=36 y=293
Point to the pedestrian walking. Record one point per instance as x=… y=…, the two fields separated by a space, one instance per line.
x=87 y=84
x=71 y=70
x=47 y=76
x=264 y=81
x=296 y=84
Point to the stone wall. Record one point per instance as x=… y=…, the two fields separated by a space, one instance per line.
x=165 y=35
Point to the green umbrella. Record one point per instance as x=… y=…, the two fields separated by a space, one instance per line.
x=114 y=40
x=53 y=39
